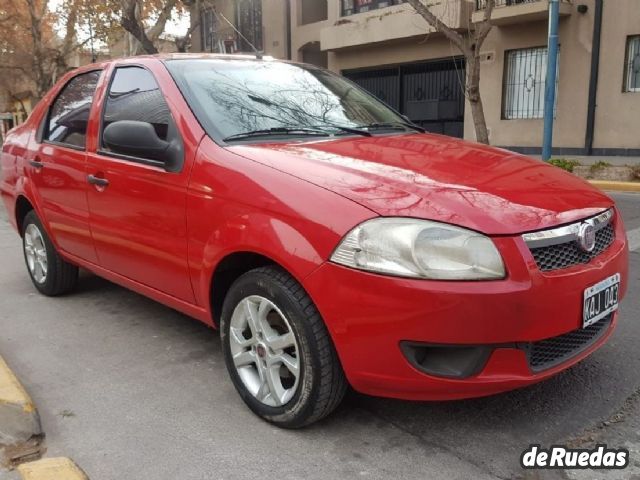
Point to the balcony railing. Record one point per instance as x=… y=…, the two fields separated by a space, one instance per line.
x=351 y=7
x=481 y=4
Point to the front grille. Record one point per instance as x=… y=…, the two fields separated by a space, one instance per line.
x=554 y=351
x=564 y=255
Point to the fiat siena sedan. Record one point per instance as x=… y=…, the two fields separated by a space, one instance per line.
x=331 y=241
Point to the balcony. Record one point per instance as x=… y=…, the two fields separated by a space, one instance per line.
x=365 y=22
x=509 y=12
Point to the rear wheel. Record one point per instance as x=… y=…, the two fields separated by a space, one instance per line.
x=50 y=274
x=278 y=351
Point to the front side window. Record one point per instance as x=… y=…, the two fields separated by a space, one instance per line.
x=134 y=95
x=525 y=78
x=232 y=97
x=69 y=114
x=632 y=65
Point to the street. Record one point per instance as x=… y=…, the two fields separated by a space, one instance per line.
x=131 y=389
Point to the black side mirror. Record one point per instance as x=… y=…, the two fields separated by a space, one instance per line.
x=139 y=139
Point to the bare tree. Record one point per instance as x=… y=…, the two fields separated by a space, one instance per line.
x=469 y=44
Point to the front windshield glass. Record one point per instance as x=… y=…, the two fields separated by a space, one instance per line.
x=235 y=97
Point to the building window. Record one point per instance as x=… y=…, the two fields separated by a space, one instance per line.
x=250 y=25
x=349 y=7
x=208 y=22
x=312 y=11
x=482 y=4
x=525 y=77
x=632 y=65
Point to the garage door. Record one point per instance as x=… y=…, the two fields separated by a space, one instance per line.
x=431 y=94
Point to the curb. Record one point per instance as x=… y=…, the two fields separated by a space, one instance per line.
x=616 y=186
x=20 y=429
x=51 y=469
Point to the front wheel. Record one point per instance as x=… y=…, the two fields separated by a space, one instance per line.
x=50 y=273
x=278 y=351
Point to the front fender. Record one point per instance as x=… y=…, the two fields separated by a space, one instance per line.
x=284 y=243
x=238 y=205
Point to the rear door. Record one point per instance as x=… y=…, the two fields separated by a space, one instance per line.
x=137 y=208
x=57 y=167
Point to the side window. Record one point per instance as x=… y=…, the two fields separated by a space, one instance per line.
x=135 y=95
x=69 y=115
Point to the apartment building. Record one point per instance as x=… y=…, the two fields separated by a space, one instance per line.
x=237 y=26
x=385 y=47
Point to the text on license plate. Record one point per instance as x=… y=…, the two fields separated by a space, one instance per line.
x=600 y=300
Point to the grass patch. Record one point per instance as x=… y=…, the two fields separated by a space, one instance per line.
x=596 y=167
x=564 y=164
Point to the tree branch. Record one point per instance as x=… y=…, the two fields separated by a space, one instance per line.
x=165 y=15
x=131 y=24
x=485 y=27
x=439 y=25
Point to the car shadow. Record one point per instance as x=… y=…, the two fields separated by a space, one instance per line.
x=491 y=431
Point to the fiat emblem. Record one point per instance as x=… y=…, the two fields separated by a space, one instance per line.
x=587 y=237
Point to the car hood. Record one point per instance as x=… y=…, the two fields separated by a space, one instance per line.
x=487 y=189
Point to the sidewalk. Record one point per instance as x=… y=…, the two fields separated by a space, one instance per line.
x=616 y=161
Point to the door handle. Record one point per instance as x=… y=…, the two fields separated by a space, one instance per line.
x=37 y=164
x=97 y=181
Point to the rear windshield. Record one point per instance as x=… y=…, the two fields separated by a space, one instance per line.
x=232 y=97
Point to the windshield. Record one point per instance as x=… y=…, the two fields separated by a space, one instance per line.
x=234 y=97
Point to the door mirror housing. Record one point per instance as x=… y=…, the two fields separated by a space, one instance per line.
x=139 y=139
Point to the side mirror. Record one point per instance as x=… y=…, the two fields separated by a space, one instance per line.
x=139 y=139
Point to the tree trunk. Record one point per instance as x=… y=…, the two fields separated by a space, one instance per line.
x=472 y=88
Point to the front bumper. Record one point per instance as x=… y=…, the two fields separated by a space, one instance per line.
x=370 y=316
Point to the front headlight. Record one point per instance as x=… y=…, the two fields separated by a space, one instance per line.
x=420 y=248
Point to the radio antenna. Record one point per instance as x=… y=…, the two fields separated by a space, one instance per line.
x=258 y=53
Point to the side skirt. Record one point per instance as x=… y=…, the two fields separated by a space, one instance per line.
x=189 y=309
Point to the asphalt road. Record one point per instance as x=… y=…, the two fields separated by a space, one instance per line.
x=131 y=389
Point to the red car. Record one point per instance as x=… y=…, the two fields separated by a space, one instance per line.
x=330 y=240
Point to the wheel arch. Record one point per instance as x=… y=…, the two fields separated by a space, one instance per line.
x=228 y=270
x=23 y=207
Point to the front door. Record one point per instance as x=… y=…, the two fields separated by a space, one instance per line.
x=137 y=208
x=57 y=167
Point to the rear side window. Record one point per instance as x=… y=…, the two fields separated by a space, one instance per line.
x=69 y=115
x=134 y=95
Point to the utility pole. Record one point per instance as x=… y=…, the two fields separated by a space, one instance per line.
x=550 y=87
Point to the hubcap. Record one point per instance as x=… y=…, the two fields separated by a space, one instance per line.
x=264 y=350
x=35 y=253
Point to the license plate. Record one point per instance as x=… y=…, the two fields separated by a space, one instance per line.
x=600 y=300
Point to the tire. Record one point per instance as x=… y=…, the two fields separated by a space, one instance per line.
x=59 y=277
x=320 y=384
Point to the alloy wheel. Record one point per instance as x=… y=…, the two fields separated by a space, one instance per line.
x=36 y=253
x=265 y=351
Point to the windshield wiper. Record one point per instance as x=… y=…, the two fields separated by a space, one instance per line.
x=354 y=130
x=393 y=125
x=278 y=131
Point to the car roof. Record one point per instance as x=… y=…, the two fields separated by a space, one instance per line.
x=183 y=56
